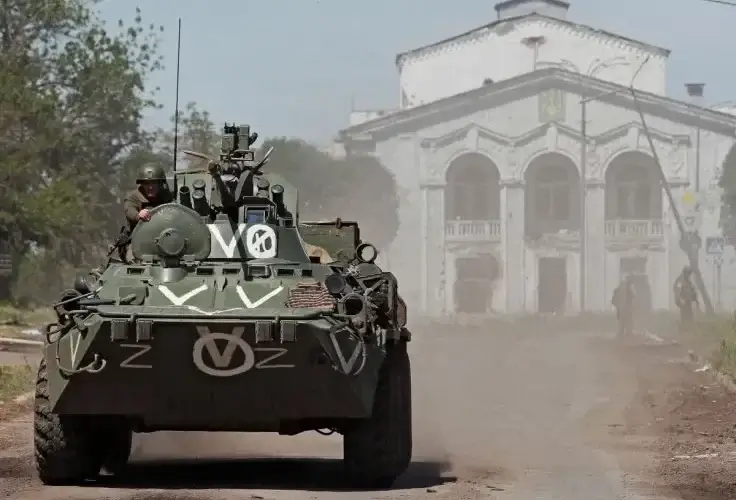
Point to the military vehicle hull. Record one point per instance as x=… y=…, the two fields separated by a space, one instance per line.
x=196 y=373
x=186 y=372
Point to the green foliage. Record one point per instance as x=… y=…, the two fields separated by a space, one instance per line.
x=353 y=188
x=197 y=132
x=71 y=101
x=728 y=183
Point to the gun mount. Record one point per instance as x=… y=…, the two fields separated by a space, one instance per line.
x=235 y=183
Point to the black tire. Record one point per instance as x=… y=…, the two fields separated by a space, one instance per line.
x=378 y=450
x=64 y=446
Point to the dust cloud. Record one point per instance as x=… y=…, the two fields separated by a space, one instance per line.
x=446 y=421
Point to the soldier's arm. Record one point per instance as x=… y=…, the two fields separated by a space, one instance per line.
x=131 y=207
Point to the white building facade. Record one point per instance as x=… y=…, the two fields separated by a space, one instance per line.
x=500 y=190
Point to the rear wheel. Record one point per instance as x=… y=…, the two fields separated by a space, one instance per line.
x=378 y=450
x=64 y=445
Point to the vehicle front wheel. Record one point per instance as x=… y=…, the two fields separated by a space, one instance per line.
x=64 y=446
x=378 y=450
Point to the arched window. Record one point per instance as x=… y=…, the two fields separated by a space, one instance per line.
x=473 y=189
x=552 y=195
x=633 y=190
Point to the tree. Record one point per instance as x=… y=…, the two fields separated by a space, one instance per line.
x=728 y=183
x=197 y=132
x=354 y=188
x=71 y=102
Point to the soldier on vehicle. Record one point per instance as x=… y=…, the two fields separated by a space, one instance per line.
x=152 y=191
x=623 y=301
x=685 y=296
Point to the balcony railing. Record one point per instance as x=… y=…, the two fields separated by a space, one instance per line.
x=472 y=230
x=634 y=229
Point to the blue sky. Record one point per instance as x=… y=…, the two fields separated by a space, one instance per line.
x=292 y=67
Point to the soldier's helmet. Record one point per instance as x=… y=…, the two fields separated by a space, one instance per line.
x=151 y=173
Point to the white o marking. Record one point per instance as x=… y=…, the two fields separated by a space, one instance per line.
x=260 y=240
x=219 y=359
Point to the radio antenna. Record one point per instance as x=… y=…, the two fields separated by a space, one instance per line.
x=176 y=109
x=176 y=112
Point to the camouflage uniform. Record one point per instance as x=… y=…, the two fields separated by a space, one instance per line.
x=623 y=301
x=136 y=200
x=315 y=251
x=685 y=297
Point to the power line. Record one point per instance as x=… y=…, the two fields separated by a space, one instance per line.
x=722 y=2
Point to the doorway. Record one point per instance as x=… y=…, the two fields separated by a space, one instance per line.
x=636 y=268
x=552 y=285
x=475 y=280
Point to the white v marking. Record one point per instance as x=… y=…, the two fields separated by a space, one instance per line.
x=347 y=365
x=75 y=338
x=259 y=302
x=179 y=301
x=228 y=248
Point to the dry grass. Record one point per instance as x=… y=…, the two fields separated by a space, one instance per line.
x=14 y=321
x=15 y=380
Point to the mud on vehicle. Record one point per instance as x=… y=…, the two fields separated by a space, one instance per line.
x=222 y=322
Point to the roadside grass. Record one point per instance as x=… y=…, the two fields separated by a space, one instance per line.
x=14 y=321
x=15 y=380
x=720 y=331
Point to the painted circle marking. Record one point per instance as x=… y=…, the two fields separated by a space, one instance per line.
x=209 y=342
x=260 y=240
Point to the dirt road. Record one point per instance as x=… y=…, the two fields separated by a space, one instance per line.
x=541 y=415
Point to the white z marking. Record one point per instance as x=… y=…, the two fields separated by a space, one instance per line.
x=142 y=349
x=180 y=301
x=259 y=302
x=277 y=353
x=228 y=248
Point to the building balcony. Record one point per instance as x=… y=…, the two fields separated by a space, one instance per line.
x=459 y=231
x=634 y=230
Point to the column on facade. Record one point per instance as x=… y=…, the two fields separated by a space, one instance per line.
x=595 y=255
x=434 y=261
x=512 y=227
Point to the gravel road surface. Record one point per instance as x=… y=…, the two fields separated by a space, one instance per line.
x=523 y=416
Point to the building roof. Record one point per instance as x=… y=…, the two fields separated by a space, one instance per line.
x=489 y=96
x=529 y=17
x=510 y=3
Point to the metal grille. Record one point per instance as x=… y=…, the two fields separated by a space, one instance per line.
x=311 y=294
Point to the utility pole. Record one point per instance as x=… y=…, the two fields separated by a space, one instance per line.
x=583 y=192
x=695 y=91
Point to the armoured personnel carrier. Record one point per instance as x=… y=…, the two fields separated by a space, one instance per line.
x=222 y=322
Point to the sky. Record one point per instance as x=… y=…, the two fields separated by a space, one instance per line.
x=297 y=67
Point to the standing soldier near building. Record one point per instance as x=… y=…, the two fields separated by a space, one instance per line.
x=685 y=296
x=623 y=301
x=152 y=191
